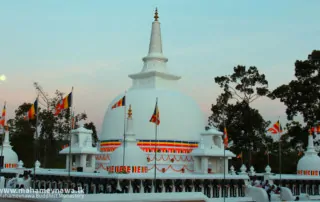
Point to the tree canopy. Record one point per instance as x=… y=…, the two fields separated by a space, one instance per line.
x=302 y=95
x=245 y=125
x=247 y=128
x=53 y=133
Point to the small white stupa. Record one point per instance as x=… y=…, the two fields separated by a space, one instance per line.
x=82 y=152
x=210 y=156
x=128 y=157
x=10 y=156
x=309 y=164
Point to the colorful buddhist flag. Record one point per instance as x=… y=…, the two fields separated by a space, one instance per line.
x=155 y=118
x=239 y=156
x=120 y=103
x=276 y=128
x=63 y=104
x=225 y=138
x=315 y=129
x=3 y=116
x=32 y=111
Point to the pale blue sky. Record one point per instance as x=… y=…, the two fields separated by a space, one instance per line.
x=94 y=45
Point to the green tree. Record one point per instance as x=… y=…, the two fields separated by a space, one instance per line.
x=22 y=135
x=246 y=127
x=244 y=85
x=53 y=133
x=302 y=95
x=91 y=126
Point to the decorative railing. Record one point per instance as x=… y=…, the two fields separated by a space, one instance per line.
x=212 y=188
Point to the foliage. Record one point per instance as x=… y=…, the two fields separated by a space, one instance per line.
x=243 y=85
x=245 y=125
x=92 y=127
x=302 y=95
x=22 y=135
x=53 y=132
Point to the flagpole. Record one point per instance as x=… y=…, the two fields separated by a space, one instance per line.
x=70 y=135
x=155 y=151
x=4 y=133
x=124 y=129
x=73 y=119
x=280 y=163
x=36 y=143
x=224 y=161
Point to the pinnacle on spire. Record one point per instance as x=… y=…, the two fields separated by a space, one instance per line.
x=155 y=46
x=154 y=64
x=129 y=112
x=156 y=15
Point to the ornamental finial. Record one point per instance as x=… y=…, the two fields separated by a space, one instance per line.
x=156 y=15
x=130 y=112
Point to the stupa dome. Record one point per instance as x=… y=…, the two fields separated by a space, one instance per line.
x=181 y=118
x=309 y=164
x=10 y=156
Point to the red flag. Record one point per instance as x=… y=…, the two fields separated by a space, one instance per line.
x=276 y=128
x=120 y=103
x=225 y=138
x=64 y=103
x=31 y=114
x=155 y=118
x=3 y=116
x=239 y=156
x=315 y=129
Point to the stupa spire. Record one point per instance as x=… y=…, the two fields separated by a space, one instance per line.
x=155 y=47
x=155 y=63
x=6 y=141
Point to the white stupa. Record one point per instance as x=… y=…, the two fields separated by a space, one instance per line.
x=10 y=156
x=211 y=156
x=128 y=154
x=181 y=117
x=82 y=154
x=181 y=121
x=309 y=164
